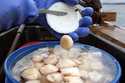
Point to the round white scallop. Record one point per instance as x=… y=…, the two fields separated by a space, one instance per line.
x=63 y=24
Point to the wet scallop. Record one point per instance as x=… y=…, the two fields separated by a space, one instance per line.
x=51 y=59
x=55 y=78
x=63 y=63
x=66 y=42
x=73 y=80
x=71 y=71
x=47 y=69
x=38 y=65
x=30 y=74
x=37 y=58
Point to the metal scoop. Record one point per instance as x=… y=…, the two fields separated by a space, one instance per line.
x=53 y=12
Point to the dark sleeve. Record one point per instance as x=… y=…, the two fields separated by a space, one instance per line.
x=97 y=3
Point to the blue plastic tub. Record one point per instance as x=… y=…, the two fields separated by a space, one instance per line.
x=20 y=53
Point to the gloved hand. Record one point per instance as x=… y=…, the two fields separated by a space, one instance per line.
x=85 y=22
x=16 y=12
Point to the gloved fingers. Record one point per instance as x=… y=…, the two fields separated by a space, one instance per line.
x=87 y=11
x=83 y=31
x=84 y=24
x=86 y=21
x=74 y=36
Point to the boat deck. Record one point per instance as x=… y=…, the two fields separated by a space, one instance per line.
x=112 y=34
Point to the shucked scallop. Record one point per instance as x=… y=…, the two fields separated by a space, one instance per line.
x=70 y=79
x=30 y=74
x=71 y=71
x=55 y=77
x=67 y=78
x=63 y=63
x=66 y=42
x=38 y=65
x=37 y=58
x=47 y=69
x=33 y=81
x=51 y=59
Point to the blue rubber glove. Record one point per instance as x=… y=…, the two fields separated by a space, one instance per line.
x=15 y=12
x=85 y=22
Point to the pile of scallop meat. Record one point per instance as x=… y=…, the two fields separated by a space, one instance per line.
x=57 y=65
